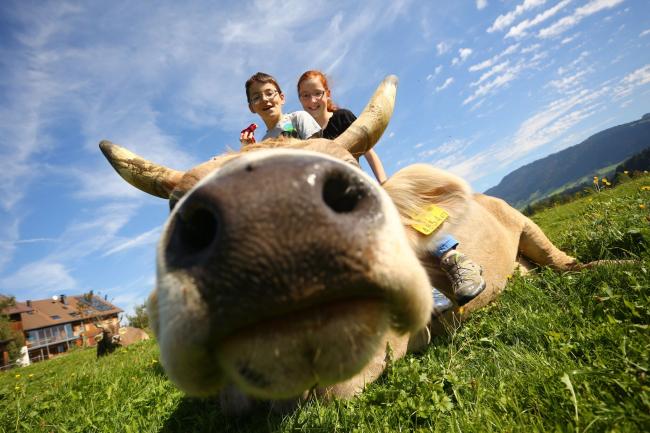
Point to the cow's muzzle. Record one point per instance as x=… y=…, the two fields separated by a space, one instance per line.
x=283 y=253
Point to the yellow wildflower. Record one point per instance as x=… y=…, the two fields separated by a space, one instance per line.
x=18 y=376
x=642 y=206
x=30 y=375
x=645 y=188
x=626 y=172
x=17 y=387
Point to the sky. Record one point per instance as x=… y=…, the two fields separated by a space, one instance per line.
x=485 y=86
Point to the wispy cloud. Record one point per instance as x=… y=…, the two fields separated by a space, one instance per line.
x=489 y=62
x=147 y=238
x=569 y=83
x=443 y=47
x=631 y=81
x=34 y=279
x=463 y=54
x=503 y=21
x=444 y=85
x=578 y=15
x=520 y=29
x=500 y=75
x=644 y=33
x=481 y=4
x=435 y=72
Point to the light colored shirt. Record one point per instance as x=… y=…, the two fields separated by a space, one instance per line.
x=298 y=124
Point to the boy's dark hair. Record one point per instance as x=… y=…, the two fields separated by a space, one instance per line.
x=260 y=77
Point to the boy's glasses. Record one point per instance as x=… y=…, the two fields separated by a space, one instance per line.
x=266 y=96
x=309 y=96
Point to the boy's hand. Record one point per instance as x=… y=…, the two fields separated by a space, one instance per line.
x=247 y=135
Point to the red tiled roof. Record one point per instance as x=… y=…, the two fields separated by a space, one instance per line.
x=51 y=312
x=18 y=307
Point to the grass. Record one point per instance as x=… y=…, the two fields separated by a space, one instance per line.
x=556 y=352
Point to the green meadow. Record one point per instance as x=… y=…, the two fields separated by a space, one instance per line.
x=562 y=352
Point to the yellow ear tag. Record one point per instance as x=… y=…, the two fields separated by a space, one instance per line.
x=122 y=331
x=429 y=219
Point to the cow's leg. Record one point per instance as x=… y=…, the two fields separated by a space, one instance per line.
x=535 y=246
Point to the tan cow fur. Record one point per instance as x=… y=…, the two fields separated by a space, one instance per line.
x=490 y=232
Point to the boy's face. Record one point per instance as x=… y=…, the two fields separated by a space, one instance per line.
x=265 y=100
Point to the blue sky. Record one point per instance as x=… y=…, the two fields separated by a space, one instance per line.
x=486 y=86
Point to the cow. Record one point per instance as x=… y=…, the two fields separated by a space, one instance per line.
x=283 y=267
x=113 y=337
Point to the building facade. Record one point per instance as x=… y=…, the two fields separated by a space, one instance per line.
x=53 y=326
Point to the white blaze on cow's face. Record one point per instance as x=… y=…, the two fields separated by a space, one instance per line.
x=279 y=271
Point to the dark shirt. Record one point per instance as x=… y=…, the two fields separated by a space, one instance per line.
x=338 y=123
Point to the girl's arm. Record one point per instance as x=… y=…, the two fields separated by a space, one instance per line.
x=376 y=166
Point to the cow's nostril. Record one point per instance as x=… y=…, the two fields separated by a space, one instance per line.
x=342 y=194
x=195 y=230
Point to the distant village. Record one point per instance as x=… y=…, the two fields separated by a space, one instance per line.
x=51 y=327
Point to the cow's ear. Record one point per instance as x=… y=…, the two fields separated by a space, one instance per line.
x=99 y=337
x=151 y=178
x=365 y=132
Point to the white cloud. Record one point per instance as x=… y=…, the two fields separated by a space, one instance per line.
x=35 y=279
x=446 y=84
x=481 y=4
x=435 y=72
x=644 y=33
x=443 y=47
x=494 y=70
x=507 y=73
x=463 y=54
x=530 y=48
x=569 y=83
x=519 y=30
x=569 y=39
x=569 y=21
x=147 y=238
x=489 y=62
x=503 y=21
x=631 y=81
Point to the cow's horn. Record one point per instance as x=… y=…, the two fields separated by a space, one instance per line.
x=367 y=129
x=151 y=178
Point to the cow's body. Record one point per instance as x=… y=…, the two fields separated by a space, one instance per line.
x=285 y=270
x=490 y=232
x=114 y=337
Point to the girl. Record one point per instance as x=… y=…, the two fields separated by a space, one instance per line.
x=265 y=98
x=465 y=275
x=315 y=97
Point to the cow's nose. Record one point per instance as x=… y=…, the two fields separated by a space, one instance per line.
x=255 y=211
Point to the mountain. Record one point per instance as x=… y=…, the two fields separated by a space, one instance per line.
x=602 y=151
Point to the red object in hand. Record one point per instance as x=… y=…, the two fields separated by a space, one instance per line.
x=250 y=128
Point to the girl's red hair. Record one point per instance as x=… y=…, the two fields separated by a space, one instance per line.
x=331 y=106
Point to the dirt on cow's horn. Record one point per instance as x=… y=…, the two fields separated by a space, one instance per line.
x=365 y=132
x=151 y=178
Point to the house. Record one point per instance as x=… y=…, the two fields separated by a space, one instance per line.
x=15 y=324
x=53 y=326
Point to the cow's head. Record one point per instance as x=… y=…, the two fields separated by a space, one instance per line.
x=281 y=267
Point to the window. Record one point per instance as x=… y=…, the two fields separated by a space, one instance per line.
x=55 y=317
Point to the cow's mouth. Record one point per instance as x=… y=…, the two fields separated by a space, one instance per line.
x=320 y=345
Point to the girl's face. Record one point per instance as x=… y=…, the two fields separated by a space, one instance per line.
x=313 y=97
x=266 y=101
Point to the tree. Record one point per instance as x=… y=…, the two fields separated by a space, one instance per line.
x=7 y=333
x=140 y=319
